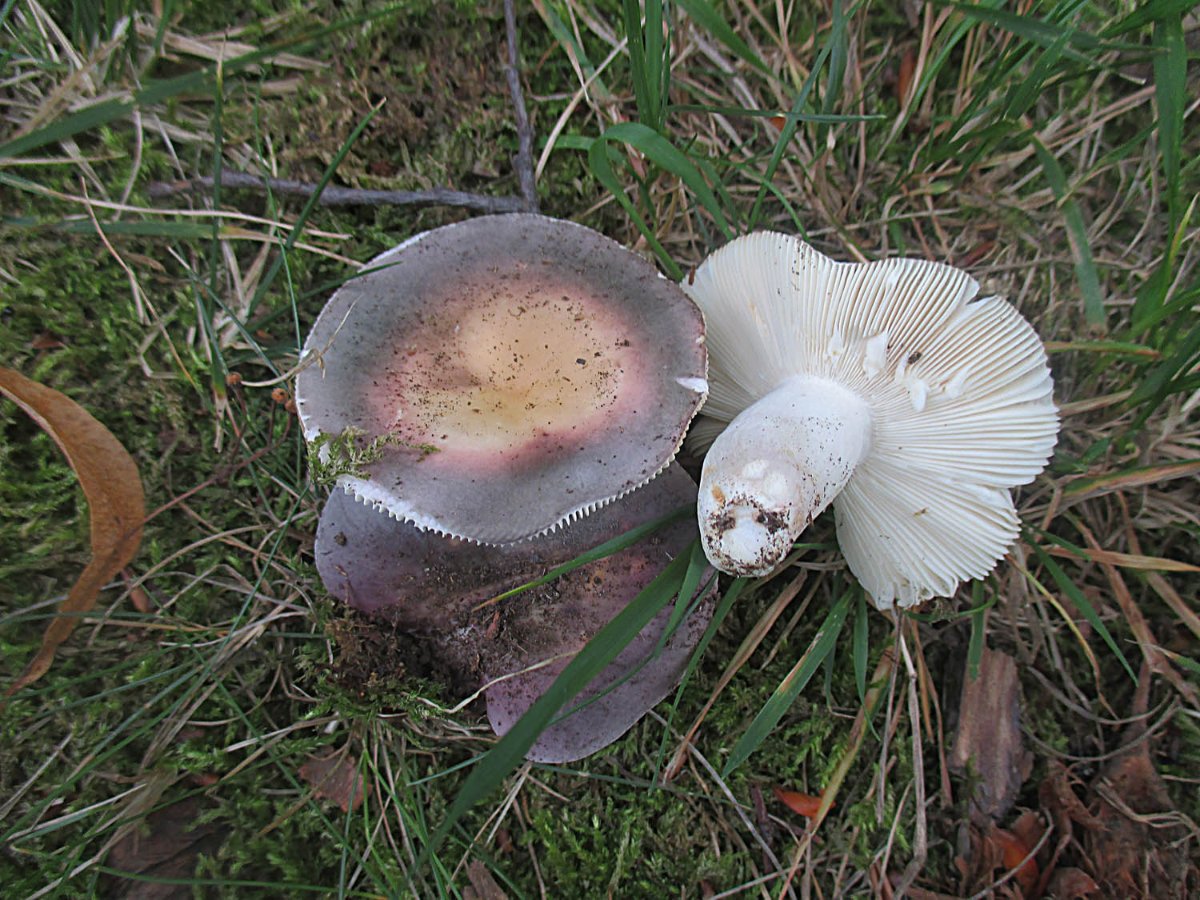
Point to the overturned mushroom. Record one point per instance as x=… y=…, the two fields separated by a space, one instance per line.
x=433 y=587
x=884 y=388
x=511 y=373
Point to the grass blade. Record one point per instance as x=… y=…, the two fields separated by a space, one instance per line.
x=1128 y=479
x=978 y=630
x=1170 y=95
x=731 y=595
x=509 y=752
x=884 y=671
x=662 y=153
x=1170 y=92
x=689 y=596
x=1085 y=265
x=786 y=133
x=310 y=205
x=702 y=13
x=791 y=686
x=109 y=111
x=862 y=648
x=666 y=156
x=600 y=161
x=1170 y=376
x=600 y=551
x=1068 y=587
x=1144 y=14
x=1042 y=32
x=574 y=50
x=649 y=61
x=838 y=53
x=732 y=592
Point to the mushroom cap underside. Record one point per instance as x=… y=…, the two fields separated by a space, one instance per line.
x=510 y=373
x=959 y=389
x=432 y=587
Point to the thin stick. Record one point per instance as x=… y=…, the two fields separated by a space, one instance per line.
x=920 y=842
x=341 y=196
x=524 y=161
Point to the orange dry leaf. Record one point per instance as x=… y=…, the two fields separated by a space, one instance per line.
x=1014 y=852
x=805 y=804
x=116 y=504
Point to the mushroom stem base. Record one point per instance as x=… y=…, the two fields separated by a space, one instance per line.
x=775 y=468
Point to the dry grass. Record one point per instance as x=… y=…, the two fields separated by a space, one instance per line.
x=218 y=290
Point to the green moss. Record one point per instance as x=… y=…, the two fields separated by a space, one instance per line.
x=216 y=689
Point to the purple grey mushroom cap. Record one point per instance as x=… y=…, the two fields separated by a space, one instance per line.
x=515 y=372
x=433 y=586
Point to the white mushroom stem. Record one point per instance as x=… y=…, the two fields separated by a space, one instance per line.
x=775 y=468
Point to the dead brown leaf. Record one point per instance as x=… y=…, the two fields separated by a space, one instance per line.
x=988 y=740
x=336 y=779
x=483 y=886
x=1140 y=848
x=47 y=341
x=137 y=594
x=1072 y=884
x=166 y=848
x=116 y=504
x=1058 y=797
x=993 y=854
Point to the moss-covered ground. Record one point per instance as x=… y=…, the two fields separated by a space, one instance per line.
x=1051 y=149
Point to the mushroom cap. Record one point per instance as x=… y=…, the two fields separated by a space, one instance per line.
x=432 y=586
x=514 y=372
x=959 y=390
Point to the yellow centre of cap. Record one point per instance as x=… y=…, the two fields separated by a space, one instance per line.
x=512 y=370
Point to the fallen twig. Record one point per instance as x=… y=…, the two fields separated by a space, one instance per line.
x=524 y=161
x=340 y=196
x=343 y=196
